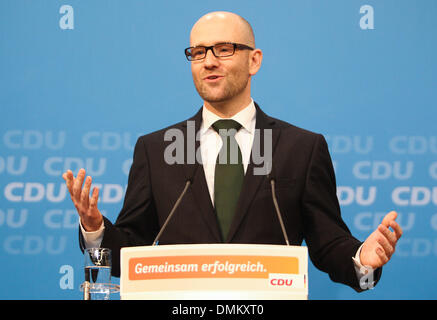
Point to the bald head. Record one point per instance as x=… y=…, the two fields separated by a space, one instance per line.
x=221 y=26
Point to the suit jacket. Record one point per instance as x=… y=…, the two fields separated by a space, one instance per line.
x=305 y=188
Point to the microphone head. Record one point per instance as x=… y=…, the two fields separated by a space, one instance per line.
x=192 y=173
x=271 y=175
x=191 y=178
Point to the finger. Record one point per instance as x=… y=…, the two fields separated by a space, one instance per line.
x=391 y=216
x=382 y=255
x=77 y=187
x=85 y=195
x=94 y=199
x=396 y=229
x=390 y=236
x=69 y=180
x=385 y=244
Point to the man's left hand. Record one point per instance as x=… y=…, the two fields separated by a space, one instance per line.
x=380 y=245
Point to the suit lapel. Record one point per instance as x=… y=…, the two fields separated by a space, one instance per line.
x=251 y=181
x=199 y=185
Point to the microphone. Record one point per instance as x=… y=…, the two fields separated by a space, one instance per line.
x=272 y=180
x=188 y=182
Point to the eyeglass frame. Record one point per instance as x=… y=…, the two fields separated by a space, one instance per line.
x=236 y=46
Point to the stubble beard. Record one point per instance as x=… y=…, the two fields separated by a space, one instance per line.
x=231 y=89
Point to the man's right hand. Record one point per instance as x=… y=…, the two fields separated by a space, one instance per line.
x=86 y=206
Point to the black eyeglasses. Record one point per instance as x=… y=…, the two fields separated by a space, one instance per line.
x=225 y=49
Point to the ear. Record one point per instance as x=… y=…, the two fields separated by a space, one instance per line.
x=255 y=59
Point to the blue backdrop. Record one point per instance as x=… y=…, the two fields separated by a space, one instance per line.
x=81 y=80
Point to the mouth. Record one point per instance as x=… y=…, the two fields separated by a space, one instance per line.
x=213 y=78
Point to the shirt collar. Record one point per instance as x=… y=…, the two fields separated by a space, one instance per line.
x=245 y=117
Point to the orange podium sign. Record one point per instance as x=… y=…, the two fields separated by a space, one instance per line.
x=214 y=271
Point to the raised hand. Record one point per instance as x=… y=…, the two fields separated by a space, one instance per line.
x=380 y=245
x=86 y=206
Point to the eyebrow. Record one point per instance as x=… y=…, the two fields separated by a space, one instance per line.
x=203 y=45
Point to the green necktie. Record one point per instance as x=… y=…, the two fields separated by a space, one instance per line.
x=229 y=174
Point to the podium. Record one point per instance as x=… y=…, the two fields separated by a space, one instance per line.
x=214 y=272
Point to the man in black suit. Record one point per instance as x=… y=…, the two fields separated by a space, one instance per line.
x=233 y=204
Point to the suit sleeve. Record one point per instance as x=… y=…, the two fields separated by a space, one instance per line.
x=136 y=224
x=330 y=243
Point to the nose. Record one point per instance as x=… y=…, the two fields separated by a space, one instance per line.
x=210 y=60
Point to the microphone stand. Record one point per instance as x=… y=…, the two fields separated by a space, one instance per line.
x=278 y=212
x=187 y=184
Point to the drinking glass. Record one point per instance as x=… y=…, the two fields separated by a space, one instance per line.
x=97 y=285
